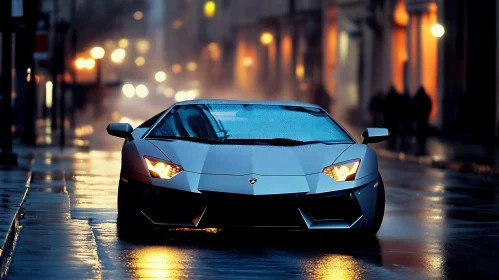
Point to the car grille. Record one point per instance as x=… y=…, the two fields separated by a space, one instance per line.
x=343 y=207
x=214 y=209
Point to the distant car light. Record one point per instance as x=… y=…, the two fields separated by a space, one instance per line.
x=344 y=171
x=162 y=169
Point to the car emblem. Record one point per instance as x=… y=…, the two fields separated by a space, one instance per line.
x=252 y=181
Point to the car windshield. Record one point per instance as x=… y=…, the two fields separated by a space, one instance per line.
x=246 y=123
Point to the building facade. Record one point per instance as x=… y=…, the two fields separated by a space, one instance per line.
x=371 y=45
x=280 y=49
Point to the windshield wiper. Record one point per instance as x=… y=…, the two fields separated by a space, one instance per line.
x=185 y=138
x=273 y=141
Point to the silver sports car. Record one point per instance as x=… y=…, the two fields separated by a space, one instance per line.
x=222 y=163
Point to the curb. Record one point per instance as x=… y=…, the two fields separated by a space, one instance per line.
x=9 y=243
x=465 y=167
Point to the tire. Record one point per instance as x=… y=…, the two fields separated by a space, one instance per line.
x=379 y=210
x=128 y=211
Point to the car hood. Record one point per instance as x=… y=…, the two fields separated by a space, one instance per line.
x=262 y=160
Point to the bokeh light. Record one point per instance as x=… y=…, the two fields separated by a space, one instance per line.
x=160 y=76
x=128 y=90
x=97 y=52
x=141 y=91
x=89 y=63
x=140 y=61
x=437 y=30
x=138 y=15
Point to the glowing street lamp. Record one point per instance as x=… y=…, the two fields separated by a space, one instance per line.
x=89 y=63
x=192 y=66
x=160 y=76
x=437 y=30
x=97 y=53
x=118 y=55
x=123 y=43
x=138 y=15
x=140 y=61
x=209 y=9
x=128 y=90
x=141 y=91
x=266 y=38
x=177 y=68
x=80 y=63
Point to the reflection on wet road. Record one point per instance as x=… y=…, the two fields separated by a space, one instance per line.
x=438 y=224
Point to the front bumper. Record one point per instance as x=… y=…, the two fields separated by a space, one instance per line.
x=333 y=210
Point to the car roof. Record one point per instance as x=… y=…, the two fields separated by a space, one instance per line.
x=242 y=102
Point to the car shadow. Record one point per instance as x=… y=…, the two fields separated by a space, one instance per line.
x=305 y=243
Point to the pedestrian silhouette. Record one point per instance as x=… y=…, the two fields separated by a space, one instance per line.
x=376 y=109
x=405 y=120
x=422 y=109
x=391 y=113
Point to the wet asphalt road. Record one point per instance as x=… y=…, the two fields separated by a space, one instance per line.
x=438 y=224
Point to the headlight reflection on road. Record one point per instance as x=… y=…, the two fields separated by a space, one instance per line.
x=157 y=262
x=334 y=267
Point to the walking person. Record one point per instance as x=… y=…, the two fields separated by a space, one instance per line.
x=405 y=120
x=391 y=112
x=422 y=108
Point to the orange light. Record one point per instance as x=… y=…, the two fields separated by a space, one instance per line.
x=163 y=170
x=266 y=38
x=89 y=63
x=80 y=63
x=177 y=68
x=192 y=66
x=248 y=61
x=400 y=15
x=138 y=15
x=341 y=172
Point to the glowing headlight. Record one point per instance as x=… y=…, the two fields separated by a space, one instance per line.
x=344 y=171
x=162 y=169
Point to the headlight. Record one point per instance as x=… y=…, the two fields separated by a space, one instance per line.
x=344 y=171
x=162 y=169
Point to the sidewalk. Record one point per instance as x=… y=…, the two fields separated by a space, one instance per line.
x=14 y=182
x=444 y=153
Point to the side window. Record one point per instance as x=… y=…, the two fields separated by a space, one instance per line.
x=151 y=121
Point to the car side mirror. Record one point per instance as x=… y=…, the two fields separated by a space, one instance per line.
x=375 y=135
x=122 y=130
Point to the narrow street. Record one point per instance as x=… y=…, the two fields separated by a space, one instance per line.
x=438 y=224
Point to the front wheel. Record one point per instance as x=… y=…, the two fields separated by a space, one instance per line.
x=379 y=210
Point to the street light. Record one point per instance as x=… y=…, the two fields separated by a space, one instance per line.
x=89 y=63
x=177 y=68
x=128 y=90
x=192 y=66
x=437 y=30
x=140 y=61
x=97 y=53
x=123 y=43
x=80 y=63
x=209 y=9
x=118 y=55
x=141 y=91
x=266 y=38
x=143 y=46
x=138 y=15
x=160 y=76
